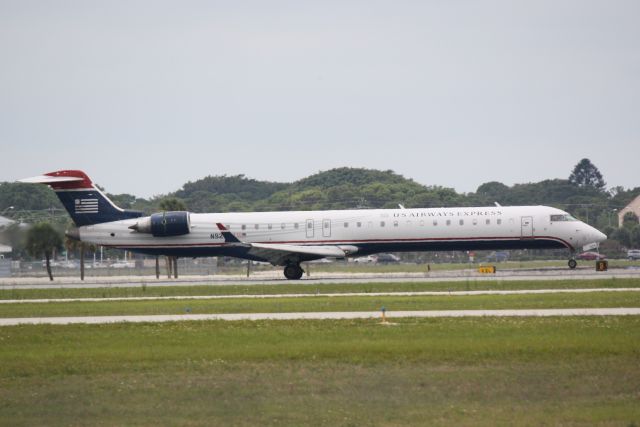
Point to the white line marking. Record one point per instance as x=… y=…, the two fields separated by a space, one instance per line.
x=321 y=316
x=329 y=295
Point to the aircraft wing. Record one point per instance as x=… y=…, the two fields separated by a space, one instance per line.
x=281 y=254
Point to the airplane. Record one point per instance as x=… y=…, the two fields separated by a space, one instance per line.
x=289 y=238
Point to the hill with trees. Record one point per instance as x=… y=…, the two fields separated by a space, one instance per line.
x=583 y=194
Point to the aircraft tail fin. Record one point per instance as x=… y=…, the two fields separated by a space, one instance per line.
x=84 y=202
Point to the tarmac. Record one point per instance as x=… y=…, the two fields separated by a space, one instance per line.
x=275 y=278
x=322 y=316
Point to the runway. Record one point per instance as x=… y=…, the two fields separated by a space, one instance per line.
x=274 y=278
x=321 y=316
x=326 y=295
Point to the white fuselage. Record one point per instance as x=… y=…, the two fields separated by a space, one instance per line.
x=361 y=231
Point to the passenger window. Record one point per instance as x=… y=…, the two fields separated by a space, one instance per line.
x=269 y=227
x=346 y=225
x=448 y=222
x=488 y=221
x=296 y=225
x=475 y=221
x=435 y=222
x=359 y=224
x=244 y=226
x=462 y=222
x=499 y=221
x=283 y=225
x=395 y=223
x=381 y=223
x=310 y=225
x=257 y=226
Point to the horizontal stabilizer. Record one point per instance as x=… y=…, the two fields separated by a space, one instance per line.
x=46 y=179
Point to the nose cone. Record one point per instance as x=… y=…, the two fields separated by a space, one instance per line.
x=596 y=236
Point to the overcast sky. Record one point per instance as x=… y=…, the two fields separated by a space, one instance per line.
x=146 y=95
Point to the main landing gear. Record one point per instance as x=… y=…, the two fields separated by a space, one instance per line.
x=293 y=271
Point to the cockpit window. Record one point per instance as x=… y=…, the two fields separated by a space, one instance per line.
x=565 y=217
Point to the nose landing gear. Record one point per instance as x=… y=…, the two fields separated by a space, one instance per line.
x=572 y=263
x=293 y=271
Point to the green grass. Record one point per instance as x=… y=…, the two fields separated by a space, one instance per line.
x=313 y=287
x=486 y=371
x=313 y=304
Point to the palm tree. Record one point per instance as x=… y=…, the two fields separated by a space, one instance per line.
x=72 y=244
x=43 y=239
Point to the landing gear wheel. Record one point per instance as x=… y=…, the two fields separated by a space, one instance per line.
x=293 y=272
x=572 y=264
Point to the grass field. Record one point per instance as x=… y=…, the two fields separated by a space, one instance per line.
x=312 y=288
x=315 y=304
x=466 y=371
x=486 y=371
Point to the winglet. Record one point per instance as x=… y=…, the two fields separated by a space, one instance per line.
x=228 y=236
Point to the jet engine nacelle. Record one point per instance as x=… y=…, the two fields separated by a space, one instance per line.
x=164 y=224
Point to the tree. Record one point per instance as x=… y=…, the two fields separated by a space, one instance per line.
x=586 y=174
x=494 y=191
x=630 y=220
x=43 y=239
x=172 y=204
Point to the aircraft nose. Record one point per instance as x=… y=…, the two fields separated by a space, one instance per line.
x=600 y=236
x=596 y=235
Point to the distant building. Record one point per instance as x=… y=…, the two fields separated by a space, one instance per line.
x=633 y=207
x=5 y=221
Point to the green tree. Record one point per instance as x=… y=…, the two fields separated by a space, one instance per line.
x=493 y=191
x=586 y=174
x=172 y=204
x=43 y=239
x=629 y=220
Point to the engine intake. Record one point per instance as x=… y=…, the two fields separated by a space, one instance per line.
x=164 y=224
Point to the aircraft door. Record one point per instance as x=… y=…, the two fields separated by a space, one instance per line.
x=310 y=231
x=527 y=226
x=326 y=228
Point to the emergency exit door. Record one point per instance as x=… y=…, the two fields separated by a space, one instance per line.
x=527 y=226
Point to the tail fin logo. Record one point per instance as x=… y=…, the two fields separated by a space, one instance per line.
x=86 y=206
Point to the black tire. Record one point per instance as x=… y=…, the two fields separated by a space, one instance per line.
x=293 y=272
x=572 y=264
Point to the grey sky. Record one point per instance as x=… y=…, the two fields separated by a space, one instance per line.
x=145 y=95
